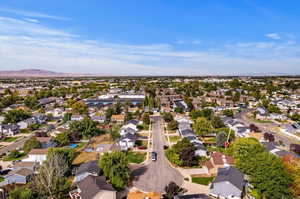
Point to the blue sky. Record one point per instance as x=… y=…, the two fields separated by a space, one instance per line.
x=157 y=37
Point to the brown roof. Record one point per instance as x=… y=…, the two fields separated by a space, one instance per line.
x=229 y=160
x=38 y=151
x=209 y=164
x=141 y=195
x=25 y=164
x=217 y=158
x=44 y=139
x=22 y=172
x=117 y=117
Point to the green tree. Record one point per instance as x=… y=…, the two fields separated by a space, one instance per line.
x=221 y=138
x=168 y=117
x=86 y=127
x=202 y=126
x=146 y=118
x=115 y=168
x=62 y=139
x=67 y=117
x=173 y=125
x=16 y=115
x=172 y=190
x=66 y=154
x=228 y=113
x=21 y=193
x=79 y=108
x=31 y=102
x=32 y=143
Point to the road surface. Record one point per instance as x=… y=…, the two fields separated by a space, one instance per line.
x=18 y=144
x=157 y=174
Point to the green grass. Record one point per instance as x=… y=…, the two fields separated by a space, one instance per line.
x=202 y=181
x=136 y=157
x=2 y=179
x=9 y=139
x=174 y=138
x=7 y=158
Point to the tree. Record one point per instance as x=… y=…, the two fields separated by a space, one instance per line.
x=50 y=181
x=79 y=108
x=221 y=138
x=86 y=127
x=216 y=122
x=21 y=193
x=173 y=125
x=202 y=126
x=172 y=190
x=14 y=154
x=236 y=97
x=115 y=168
x=273 y=109
x=67 y=117
x=292 y=165
x=16 y=115
x=228 y=113
x=66 y=153
x=168 y=117
x=62 y=139
x=270 y=137
x=31 y=102
x=32 y=143
x=254 y=128
x=146 y=118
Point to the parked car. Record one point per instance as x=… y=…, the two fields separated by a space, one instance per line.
x=154 y=156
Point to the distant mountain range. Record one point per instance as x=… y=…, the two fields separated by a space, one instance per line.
x=36 y=73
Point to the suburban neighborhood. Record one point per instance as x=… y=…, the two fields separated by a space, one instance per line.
x=150 y=137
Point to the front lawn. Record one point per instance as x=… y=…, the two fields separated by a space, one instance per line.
x=136 y=157
x=174 y=138
x=10 y=139
x=202 y=180
x=11 y=158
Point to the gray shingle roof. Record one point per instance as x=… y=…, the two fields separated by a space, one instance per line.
x=232 y=175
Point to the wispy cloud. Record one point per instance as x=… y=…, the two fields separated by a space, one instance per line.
x=31 y=14
x=275 y=36
x=26 y=44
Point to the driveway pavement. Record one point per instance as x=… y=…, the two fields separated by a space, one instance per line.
x=156 y=175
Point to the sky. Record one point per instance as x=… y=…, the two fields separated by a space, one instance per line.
x=151 y=37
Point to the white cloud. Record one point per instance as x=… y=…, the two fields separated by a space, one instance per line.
x=25 y=44
x=31 y=14
x=273 y=36
x=31 y=20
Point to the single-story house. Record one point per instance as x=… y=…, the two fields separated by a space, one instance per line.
x=21 y=176
x=9 y=129
x=36 y=155
x=86 y=169
x=229 y=183
x=127 y=141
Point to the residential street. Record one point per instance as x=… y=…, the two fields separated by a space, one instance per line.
x=156 y=175
x=18 y=144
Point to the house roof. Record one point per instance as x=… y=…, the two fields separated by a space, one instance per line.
x=44 y=139
x=38 y=151
x=141 y=195
x=232 y=175
x=209 y=164
x=217 y=158
x=90 y=167
x=25 y=164
x=91 y=185
x=193 y=196
x=133 y=121
x=22 y=172
x=117 y=117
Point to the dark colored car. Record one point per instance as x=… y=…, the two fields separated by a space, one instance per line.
x=154 y=156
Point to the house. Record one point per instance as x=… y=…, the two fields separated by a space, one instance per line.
x=127 y=141
x=98 y=118
x=221 y=160
x=93 y=187
x=21 y=176
x=46 y=101
x=46 y=142
x=26 y=123
x=9 y=129
x=200 y=149
x=86 y=169
x=77 y=117
x=118 y=118
x=229 y=183
x=193 y=196
x=40 y=118
x=36 y=155
x=25 y=165
x=142 y=195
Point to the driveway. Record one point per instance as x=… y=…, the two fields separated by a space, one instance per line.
x=155 y=176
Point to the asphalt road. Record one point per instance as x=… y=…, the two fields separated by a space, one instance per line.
x=18 y=144
x=265 y=127
x=157 y=174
